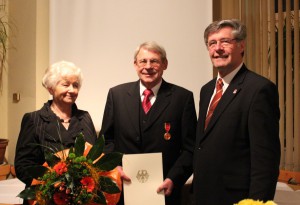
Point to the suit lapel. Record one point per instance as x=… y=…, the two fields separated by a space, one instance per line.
x=132 y=103
x=205 y=97
x=231 y=92
x=162 y=101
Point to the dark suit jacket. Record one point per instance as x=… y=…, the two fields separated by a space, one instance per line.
x=174 y=105
x=238 y=155
x=41 y=127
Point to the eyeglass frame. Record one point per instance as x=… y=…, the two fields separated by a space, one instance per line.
x=144 y=62
x=224 y=42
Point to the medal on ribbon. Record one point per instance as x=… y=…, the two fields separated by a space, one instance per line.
x=167 y=135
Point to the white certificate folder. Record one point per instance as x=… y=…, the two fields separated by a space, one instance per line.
x=146 y=173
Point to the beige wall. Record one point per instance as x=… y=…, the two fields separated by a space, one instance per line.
x=27 y=61
x=102 y=45
x=28 y=58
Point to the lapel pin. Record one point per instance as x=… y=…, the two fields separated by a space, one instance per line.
x=235 y=91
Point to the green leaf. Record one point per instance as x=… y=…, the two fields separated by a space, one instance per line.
x=70 y=182
x=68 y=177
x=79 y=145
x=108 y=185
x=109 y=161
x=28 y=193
x=100 y=198
x=51 y=158
x=71 y=150
x=36 y=171
x=97 y=149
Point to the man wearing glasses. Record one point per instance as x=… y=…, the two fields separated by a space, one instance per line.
x=152 y=115
x=237 y=151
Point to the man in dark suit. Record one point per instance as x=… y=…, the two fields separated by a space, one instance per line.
x=168 y=127
x=237 y=151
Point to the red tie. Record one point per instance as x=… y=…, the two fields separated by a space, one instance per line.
x=214 y=101
x=146 y=102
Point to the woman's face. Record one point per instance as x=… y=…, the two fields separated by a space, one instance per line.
x=66 y=90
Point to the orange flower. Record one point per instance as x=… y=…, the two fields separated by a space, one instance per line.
x=60 y=168
x=88 y=183
x=60 y=198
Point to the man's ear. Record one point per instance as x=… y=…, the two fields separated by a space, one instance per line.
x=242 y=46
x=165 y=64
x=135 y=65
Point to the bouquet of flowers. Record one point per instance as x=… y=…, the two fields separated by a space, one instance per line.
x=80 y=175
x=253 y=202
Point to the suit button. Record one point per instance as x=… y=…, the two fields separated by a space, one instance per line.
x=144 y=121
x=137 y=138
x=199 y=148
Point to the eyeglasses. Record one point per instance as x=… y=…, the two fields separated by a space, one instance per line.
x=224 y=42
x=153 y=62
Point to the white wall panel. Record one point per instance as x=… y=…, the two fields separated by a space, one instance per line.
x=100 y=36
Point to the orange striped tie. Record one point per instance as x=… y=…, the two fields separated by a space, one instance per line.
x=214 y=101
x=146 y=101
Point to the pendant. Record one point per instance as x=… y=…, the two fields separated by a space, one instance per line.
x=167 y=135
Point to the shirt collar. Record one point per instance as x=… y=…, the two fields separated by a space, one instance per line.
x=228 y=78
x=154 y=89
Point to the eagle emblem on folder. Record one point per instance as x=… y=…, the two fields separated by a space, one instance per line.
x=142 y=176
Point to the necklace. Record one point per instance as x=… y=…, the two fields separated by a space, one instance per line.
x=60 y=114
x=65 y=121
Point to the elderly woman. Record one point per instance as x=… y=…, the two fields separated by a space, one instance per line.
x=57 y=123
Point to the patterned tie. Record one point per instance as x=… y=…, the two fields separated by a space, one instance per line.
x=146 y=102
x=214 y=101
